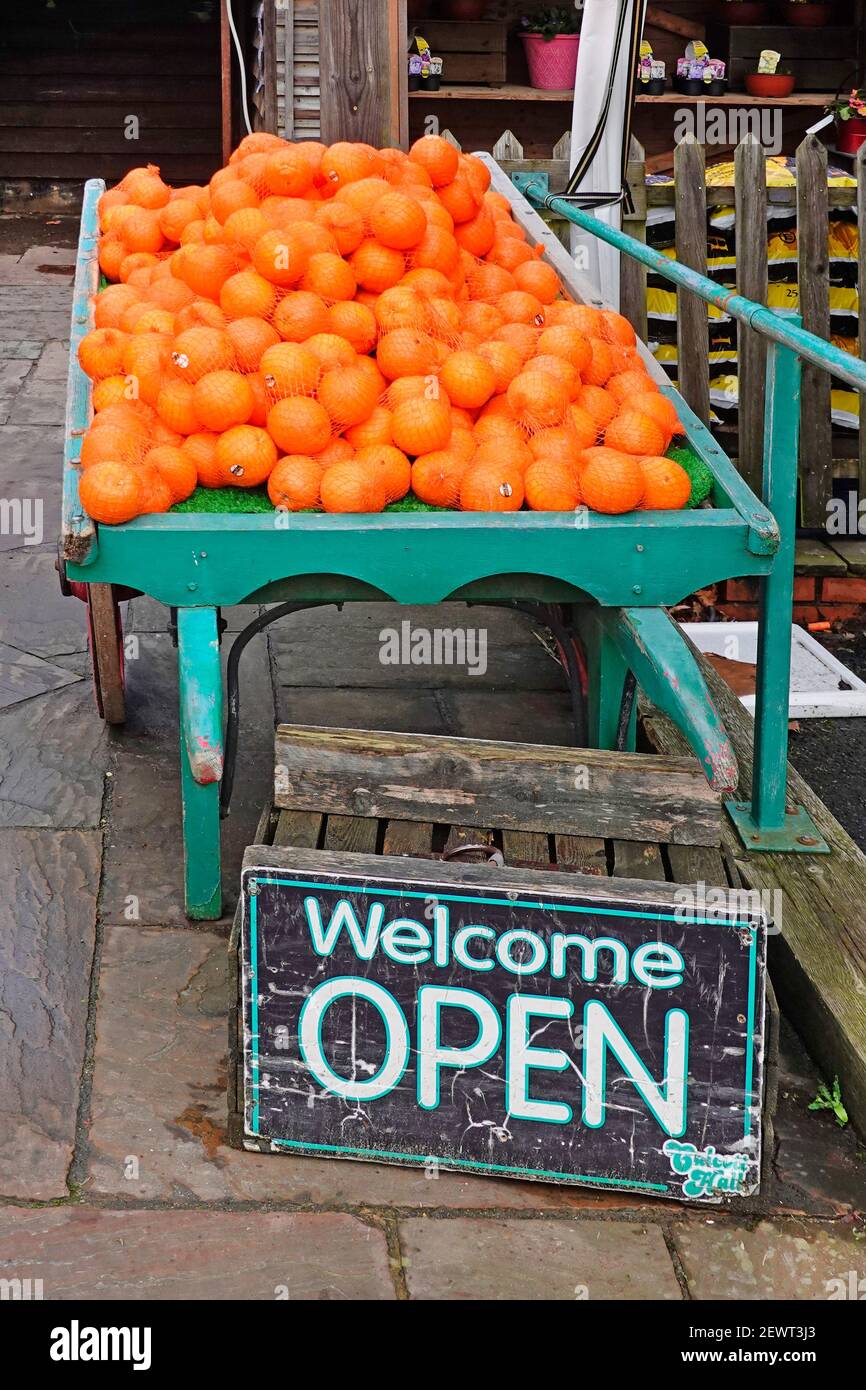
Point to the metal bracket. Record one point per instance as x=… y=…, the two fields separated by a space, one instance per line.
x=524 y=180
x=799 y=834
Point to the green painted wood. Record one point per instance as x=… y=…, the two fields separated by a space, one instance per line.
x=651 y=644
x=78 y=532
x=781 y=436
x=200 y=683
x=217 y=560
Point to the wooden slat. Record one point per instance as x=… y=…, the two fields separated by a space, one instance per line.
x=54 y=113
x=358 y=72
x=584 y=854
x=691 y=250
x=751 y=214
x=816 y=451
x=408 y=837
x=301 y=828
x=634 y=860
x=526 y=847
x=100 y=140
x=352 y=834
x=632 y=275
x=295 y=44
x=269 y=66
x=697 y=864
x=514 y=786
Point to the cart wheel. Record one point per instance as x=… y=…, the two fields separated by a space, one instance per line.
x=106 y=652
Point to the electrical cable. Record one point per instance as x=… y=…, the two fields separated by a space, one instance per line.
x=245 y=112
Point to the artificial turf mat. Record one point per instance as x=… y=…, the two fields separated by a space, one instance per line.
x=242 y=501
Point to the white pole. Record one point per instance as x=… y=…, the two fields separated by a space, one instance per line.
x=597 y=40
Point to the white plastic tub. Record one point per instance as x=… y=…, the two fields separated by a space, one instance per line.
x=821 y=687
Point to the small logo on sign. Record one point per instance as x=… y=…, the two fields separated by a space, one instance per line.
x=706 y=1172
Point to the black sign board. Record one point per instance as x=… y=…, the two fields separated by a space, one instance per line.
x=533 y=1025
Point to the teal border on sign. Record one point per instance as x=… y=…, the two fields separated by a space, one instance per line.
x=421 y=1160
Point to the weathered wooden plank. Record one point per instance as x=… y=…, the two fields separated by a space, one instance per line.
x=358 y=73
x=691 y=250
x=583 y=854
x=818 y=955
x=632 y=275
x=352 y=834
x=751 y=213
x=514 y=786
x=300 y=828
x=293 y=47
x=269 y=66
x=631 y=859
x=267 y=824
x=408 y=837
x=697 y=864
x=816 y=453
x=526 y=847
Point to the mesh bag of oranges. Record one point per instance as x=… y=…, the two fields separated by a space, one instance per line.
x=347 y=329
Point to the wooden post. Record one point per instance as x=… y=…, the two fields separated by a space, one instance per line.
x=750 y=196
x=816 y=437
x=632 y=275
x=269 y=67
x=225 y=82
x=691 y=249
x=362 y=70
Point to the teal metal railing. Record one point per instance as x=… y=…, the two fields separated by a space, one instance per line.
x=765 y=822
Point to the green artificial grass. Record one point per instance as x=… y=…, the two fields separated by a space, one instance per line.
x=700 y=475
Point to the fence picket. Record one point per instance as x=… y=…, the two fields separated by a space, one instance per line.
x=693 y=371
x=861 y=281
x=632 y=275
x=750 y=182
x=816 y=435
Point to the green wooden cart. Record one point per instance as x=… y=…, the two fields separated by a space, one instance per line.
x=614 y=575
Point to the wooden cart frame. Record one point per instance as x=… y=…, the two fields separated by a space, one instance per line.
x=617 y=574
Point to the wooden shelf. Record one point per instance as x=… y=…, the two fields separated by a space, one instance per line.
x=512 y=91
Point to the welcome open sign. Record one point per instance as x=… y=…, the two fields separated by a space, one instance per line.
x=523 y=1024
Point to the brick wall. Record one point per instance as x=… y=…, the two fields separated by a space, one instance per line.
x=816 y=598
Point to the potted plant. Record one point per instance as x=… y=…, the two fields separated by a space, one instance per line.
x=551 y=39
x=850 y=114
x=770 y=84
x=745 y=11
x=806 y=13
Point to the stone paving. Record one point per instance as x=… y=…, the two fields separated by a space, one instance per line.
x=116 y=1179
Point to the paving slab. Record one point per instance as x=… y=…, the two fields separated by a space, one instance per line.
x=48 y=894
x=16 y=347
x=326 y=647
x=53 y=363
x=53 y=760
x=476 y=1258
x=23 y=676
x=144 y=849
x=776 y=1260
x=31 y=466
x=39 y=401
x=41 y=324
x=34 y=615
x=12 y=374
x=159 y=1098
x=136 y=1256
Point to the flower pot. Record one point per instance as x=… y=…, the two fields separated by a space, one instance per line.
x=769 y=84
x=745 y=11
x=552 y=62
x=808 y=15
x=851 y=134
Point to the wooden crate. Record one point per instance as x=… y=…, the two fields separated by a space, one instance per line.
x=470 y=52
x=819 y=59
x=642 y=851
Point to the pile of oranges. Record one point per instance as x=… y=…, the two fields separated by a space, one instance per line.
x=349 y=326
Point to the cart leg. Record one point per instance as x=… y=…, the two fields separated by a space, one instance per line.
x=606 y=670
x=765 y=822
x=201 y=758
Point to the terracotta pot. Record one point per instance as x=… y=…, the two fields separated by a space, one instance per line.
x=807 y=16
x=851 y=134
x=745 y=11
x=769 y=84
x=552 y=62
